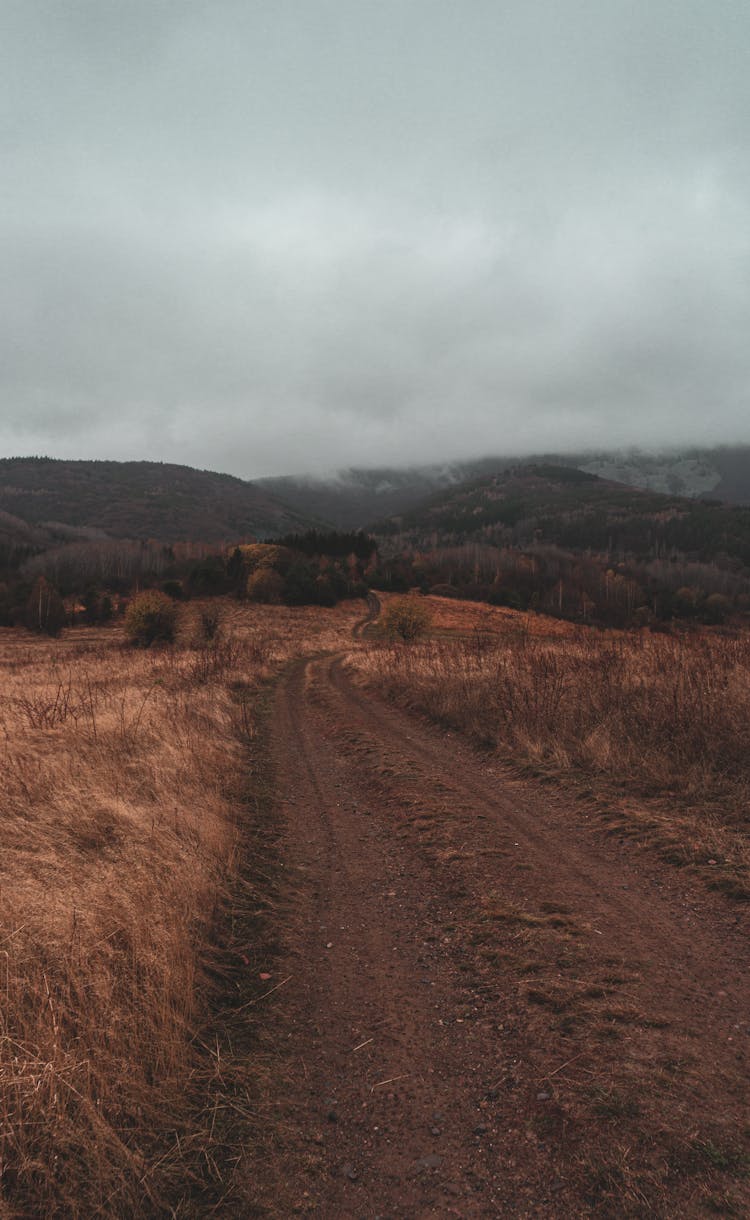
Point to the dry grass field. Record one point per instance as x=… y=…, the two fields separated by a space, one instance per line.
x=662 y=719
x=452 y=616
x=125 y=784
x=507 y=998
x=122 y=790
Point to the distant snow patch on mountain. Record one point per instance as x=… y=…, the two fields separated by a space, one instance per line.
x=677 y=476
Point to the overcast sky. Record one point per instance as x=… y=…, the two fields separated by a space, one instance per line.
x=278 y=236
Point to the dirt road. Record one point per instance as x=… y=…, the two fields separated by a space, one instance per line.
x=493 y=1007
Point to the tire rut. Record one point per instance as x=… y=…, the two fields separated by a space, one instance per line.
x=568 y=855
x=494 y=1011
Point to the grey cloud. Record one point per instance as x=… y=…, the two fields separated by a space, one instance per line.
x=278 y=237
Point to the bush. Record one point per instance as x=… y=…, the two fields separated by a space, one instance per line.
x=300 y=588
x=259 y=555
x=716 y=608
x=265 y=585
x=406 y=619
x=209 y=625
x=45 y=609
x=90 y=601
x=151 y=617
x=212 y=576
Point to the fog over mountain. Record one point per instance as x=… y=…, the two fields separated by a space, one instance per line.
x=356 y=497
x=268 y=238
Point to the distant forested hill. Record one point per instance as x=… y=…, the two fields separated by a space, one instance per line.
x=355 y=498
x=352 y=499
x=564 y=541
x=141 y=500
x=580 y=512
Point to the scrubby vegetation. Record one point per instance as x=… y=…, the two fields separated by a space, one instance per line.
x=658 y=713
x=124 y=782
x=96 y=577
x=405 y=619
x=656 y=724
x=151 y=618
x=308 y=569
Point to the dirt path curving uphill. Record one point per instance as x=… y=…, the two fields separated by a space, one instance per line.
x=493 y=1009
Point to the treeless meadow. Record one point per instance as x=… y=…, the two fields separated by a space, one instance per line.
x=657 y=722
x=124 y=780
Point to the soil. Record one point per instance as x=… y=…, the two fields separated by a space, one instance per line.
x=487 y=1004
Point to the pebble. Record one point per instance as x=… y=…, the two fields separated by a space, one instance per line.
x=433 y=1161
x=350 y=1172
x=543 y=1096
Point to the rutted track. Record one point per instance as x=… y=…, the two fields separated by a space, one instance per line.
x=494 y=1009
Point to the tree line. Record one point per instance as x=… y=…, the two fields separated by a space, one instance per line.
x=92 y=582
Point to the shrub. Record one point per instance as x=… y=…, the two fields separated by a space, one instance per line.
x=212 y=576
x=265 y=585
x=406 y=619
x=325 y=594
x=151 y=617
x=90 y=602
x=209 y=625
x=258 y=555
x=716 y=608
x=300 y=588
x=45 y=610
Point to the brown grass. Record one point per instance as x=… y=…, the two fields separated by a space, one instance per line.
x=122 y=791
x=453 y=616
x=657 y=716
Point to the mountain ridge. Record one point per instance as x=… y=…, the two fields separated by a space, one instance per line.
x=140 y=500
x=356 y=497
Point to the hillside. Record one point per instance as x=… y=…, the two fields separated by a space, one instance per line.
x=354 y=498
x=140 y=500
x=564 y=541
x=577 y=511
